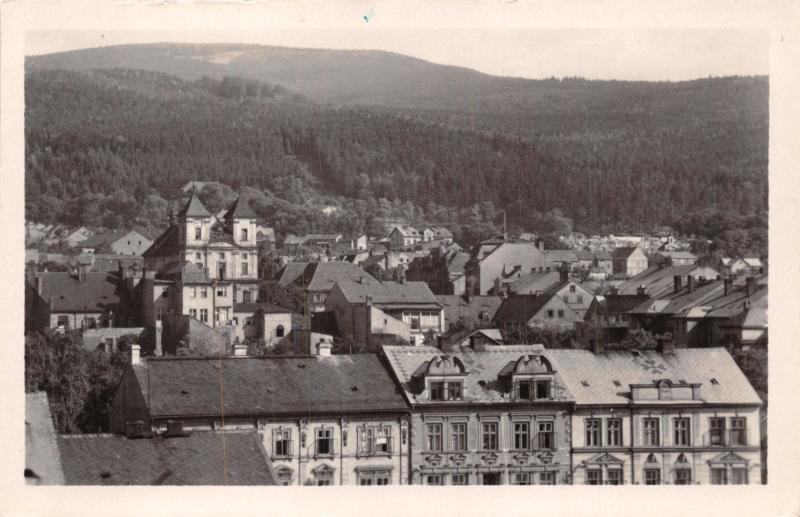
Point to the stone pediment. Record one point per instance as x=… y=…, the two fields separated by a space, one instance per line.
x=521 y=458
x=490 y=458
x=608 y=459
x=728 y=457
x=433 y=459
x=458 y=459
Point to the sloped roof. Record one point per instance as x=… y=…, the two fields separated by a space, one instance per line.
x=624 y=252
x=467 y=307
x=109 y=237
x=321 y=276
x=535 y=282
x=389 y=293
x=186 y=272
x=601 y=254
x=678 y=255
x=194 y=208
x=42 y=457
x=456 y=261
x=561 y=255
x=97 y=292
x=407 y=230
x=693 y=365
x=752 y=261
x=520 y=308
x=165 y=244
x=267 y=385
x=584 y=255
x=659 y=279
x=440 y=232
x=674 y=303
x=482 y=369
x=201 y=458
x=240 y=209
x=267 y=307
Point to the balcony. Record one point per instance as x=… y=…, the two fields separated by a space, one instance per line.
x=725 y=438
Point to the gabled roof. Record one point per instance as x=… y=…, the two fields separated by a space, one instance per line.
x=42 y=457
x=97 y=292
x=165 y=244
x=535 y=282
x=674 y=303
x=482 y=369
x=468 y=308
x=321 y=276
x=456 y=261
x=440 y=232
x=194 y=208
x=693 y=365
x=601 y=254
x=684 y=255
x=521 y=308
x=660 y=279
x=389 y=293
x=624 y=252
x=561 y=255
x=240 y=209
x=752 y=261
x=406 y=230
x=182 y=387
x=584 y=255
x=266 y=307
x=201 y=458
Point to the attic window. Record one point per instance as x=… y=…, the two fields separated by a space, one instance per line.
x=184 y=392
x=301 y=365
x=617 y=383
x=681 y=381
x=714 y=381
x=353 y=388
x=105 y=474
x=585 y=384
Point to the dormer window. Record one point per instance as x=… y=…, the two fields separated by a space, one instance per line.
x=444 y=378
x=531 y=378
x=455 y=390
x=437 y=391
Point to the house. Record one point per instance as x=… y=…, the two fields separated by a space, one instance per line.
x=656 y=280
x=573 y=293
x=265 y=237
x=548 y=310
x=606 y=321
x=106 y=263
x=441 y=270
x=629 y=261
x=472 y=338
x=173 y=457
x=261 y=321
x=66 y=301
x=316 y=241
x=404 y=235
x=496 y=416
x=42 y=458
x=563 y=259
x=437 y=233
x=603 y=262
x=468 y=312
x=119 y=242
x=746 y=266
x=739 y=318
x=323 y=420
x=408 y=310
x=535 y=283
x=585 y=260
x=201 y=265
x=505 y=264
x=318 y=278
x=74 y=237
x=647 y=417
x=675 y=258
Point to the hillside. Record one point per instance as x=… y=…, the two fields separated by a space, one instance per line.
x=109 y=147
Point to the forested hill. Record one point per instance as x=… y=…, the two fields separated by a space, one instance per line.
x=108 y=147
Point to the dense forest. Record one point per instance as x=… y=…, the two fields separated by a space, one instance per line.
x=111 y=147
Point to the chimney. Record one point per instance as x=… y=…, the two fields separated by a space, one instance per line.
x=323 y=348
x=134 y=429
x=540 y=244
x=666 y=345
x=749 y=285
x=564 y=274
x=641 y=290
x=690 y=283
x=136 y=353
x=597 y=345
x=81 y=273
x=39 y=285
x=239 y=350
x=678 y=281
x=726 y=282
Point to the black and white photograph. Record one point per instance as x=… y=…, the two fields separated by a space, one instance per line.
x=387 y=255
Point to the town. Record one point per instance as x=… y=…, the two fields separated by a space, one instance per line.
x=389 y=357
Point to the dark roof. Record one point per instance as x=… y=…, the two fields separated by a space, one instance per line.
x=600 y=254
x=535 y=282
x=97 y=292
x=267 y=385
x=165 y=244
x=186 y=272
x=468 y=308
x=584 y=255
x=389 y=293
x=263 y=306
x=240 y=209
x=561 y=255
x=660 y=279
x=623 y=253
x=520 y=308
x=108 y=263
x=321 y=276
x=194 y=208
x=201 y=458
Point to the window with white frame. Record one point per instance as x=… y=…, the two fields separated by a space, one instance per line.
x=282 y=443
x=434 y=479
x=455 y=390
x=437 y=390
x=522 y=435
x=613 y=476
x=682 y=476
x=716 y=431
x=738 y=431
x=592 y=432
x=545 y=435
x=650 y=435
x=245 y=269
x=204 y=315
x=284 y=476
x=434 y=437
x=739 y=476
x=614 y=432
x=547 y=478
x=192 y=292
x=458 y=436
x=594 y=476
x=459 y=479
x=374 y=440
x=244 y=234
x=204 y=292
x=681 y=431
x=652 y=476
x=718 y=476
x=374 y=477
x=324 y=441
x=489 y=436
x=521 y=478
x=222 y=291
x=193 y=313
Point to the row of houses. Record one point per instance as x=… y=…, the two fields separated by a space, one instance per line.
x=491 y=415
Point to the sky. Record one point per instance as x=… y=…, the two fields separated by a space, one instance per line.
x=627 y=54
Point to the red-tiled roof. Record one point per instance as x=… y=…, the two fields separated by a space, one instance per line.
x=201 y=458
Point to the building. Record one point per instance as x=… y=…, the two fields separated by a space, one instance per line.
x=657 y=280
x=644 y=417
x=468 y=312
x=535 y=283
x=472 y=338
x=404 y=235
x=675 y=258
x=574 y=294
x=441 y=270
x=744 y=266
x=520 y=312
x=408 y=310
x=262 y=321
x=119 y=242
x=497 y=416
x=173 y=457
x=318 y=278
x=42 y=457
x=629 y=261
x=437 y=233
x=563 y=259
x=201 y=265
x=506 y=263
x=324 y=420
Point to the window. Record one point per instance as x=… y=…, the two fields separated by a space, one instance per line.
x=317 y=297
x=198 y=256
x=489 y=436
x=63 y=320
x=542 y=389
x=560 y=313
x=458 y=436
x=198 y=233
x=374 y=477
x=279 y=331
x=614 y=432
x=521 y=478
x=547 y=478
x=283 y=443
x=89 y=323
x=717 y=431
x=579 y=299
x=434 y=479
x=204 y=292
x=652 y=476
x=437 y=391
x=524 y=390
x=521 y=435
x=681 y=426
x=549 y=314
x=459 y=479
x=245 y=268
x=594 y=477
x=490 y=478
x=651 y=435
x=454 y=390
x=614 y=477
x=324 y=441
x=738 y=431
x=244 y=234
x=375 y=440
x=739 y=476
x=435 y=437
x=545 y=435
x=165 y=292
x=572 y=288
x=683 y=476
x=593 y=432
x=192 y=292
x=247 y=297
x=222 y=291
x=204 y=315
x=193 y=313
x=718 y=476
x=324 y=477
x=222 y=255
x=284 y=476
